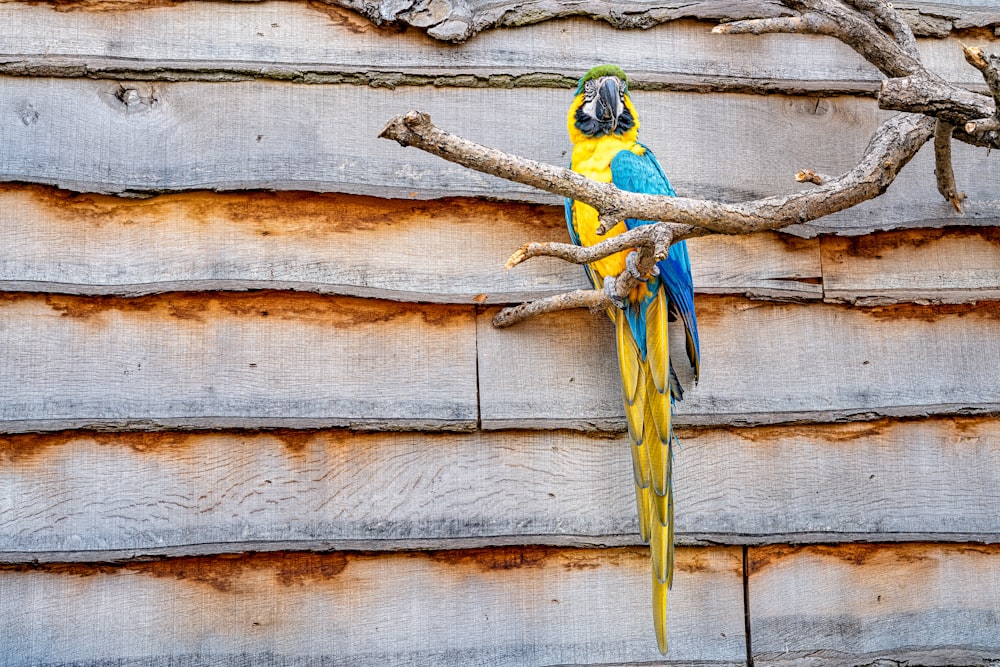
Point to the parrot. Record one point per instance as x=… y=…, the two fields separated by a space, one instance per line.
x=603 y=127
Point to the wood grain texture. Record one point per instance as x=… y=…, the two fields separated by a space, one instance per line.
x=761 y=363
x=510 y=606
x=451 y=21
x=271 y=135
x=103 y=496
x=51 y=241
x=959 y=265
x=234 y=360
x=851 y=605
x=313 y=43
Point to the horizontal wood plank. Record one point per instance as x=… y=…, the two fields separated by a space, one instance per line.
x=271 y=135
x=852 y=605
x=761 y=363
x=958 y=265
x=316 y=43
x=452 y=22
x=92 y=496
x=510 y=606
x=234 y=360
x=451 y=250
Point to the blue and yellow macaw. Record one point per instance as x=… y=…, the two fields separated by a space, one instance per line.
x=603 y=126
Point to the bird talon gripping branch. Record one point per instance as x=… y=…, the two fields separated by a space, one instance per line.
x=632 y=267
x=611 y=289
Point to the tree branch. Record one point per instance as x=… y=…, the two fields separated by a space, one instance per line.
x=895 y=142
x=943 y=171
x=870 y=27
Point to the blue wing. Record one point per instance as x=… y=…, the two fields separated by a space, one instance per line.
x=643 y=173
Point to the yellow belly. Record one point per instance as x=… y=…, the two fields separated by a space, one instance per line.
x=592 y=158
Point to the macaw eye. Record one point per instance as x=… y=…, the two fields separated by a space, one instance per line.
x=590 y=87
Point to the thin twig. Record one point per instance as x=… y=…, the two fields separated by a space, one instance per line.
x=583 y=298
x=943 y=171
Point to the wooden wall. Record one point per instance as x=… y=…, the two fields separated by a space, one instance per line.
x=252 y=409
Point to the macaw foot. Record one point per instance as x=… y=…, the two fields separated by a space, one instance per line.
x=631 y=267
x=609 y=289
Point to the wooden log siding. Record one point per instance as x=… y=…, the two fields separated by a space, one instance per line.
x=513 y=606
x=315 y=43
x=55 y=242
x=918 y=603
x=762 y=363
x=51 y=241
x=301 y=360
x=234 y=360
x=960 y=265
x=273 y=135
x=99 y=496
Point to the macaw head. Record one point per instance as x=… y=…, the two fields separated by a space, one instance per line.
x=602 y=105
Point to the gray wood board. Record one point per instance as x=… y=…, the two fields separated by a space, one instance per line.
x=234 y=360
x=761 y=363
x=315 y=43
x=91 y=496
x=932 y=265
x=273 y=135
x=454 y=22
x=852 y=605
x=511 y=606
x=451 y=250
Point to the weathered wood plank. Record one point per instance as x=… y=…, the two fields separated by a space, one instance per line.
x=89 y=496
x=454 y=22
x=451 y=250
x=509 y=606
x=234 y=360
x=958 y=265
x=283 y=40
x=761 y=363
x=851 y=605
x=274 y=135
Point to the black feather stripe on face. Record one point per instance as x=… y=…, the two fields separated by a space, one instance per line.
x=595 y=104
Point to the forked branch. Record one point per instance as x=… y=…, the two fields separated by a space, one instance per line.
x=870 y=27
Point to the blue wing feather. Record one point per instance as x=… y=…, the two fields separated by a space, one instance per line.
x=643 y=173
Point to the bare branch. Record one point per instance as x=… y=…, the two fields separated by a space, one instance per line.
x=583 y=298
x=934 y=97
x=942 y=165
x=895 y=142
x=886 y=17
x=989 y=65
x=806 y=23
x=640 y=237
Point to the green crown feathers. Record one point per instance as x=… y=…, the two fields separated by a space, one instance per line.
x=598 y=72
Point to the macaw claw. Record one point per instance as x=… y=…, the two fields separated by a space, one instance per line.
x=632 y=268
x=612 y=292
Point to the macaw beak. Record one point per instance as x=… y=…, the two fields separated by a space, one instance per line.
x=608 y=106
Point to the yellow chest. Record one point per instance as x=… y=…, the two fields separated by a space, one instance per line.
x=592 y=158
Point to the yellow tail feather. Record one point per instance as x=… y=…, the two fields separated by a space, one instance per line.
x=660 y=613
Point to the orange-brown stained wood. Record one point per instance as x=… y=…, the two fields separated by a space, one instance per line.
x=443 y=251
x=234 y=359
x=334 y=311
x=876 y=554
x=275 y=213
x=884 y=480
x=954 y=265
x=523 y=605
x=902 y=601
